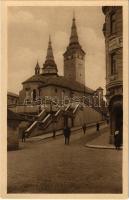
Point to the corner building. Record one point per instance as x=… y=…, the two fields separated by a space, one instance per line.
x=113 y=32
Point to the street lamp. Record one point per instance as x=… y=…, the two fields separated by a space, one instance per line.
x=53 y=120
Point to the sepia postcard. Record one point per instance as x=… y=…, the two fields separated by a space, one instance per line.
x=64 y=99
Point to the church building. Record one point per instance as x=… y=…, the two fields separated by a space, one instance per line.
x=47 y=82
x=78 y=107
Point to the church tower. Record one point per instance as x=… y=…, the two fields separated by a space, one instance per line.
x=49 y=67
x=74 y=58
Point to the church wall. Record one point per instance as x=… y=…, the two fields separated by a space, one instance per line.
x=74 y=68
x=27 y=90
x=46 y=91
x=60 y=92
x=69 y=69
x=80 y=70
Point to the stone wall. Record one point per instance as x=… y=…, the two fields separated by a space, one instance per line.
x=87 y=115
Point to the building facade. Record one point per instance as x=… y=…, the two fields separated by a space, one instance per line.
x=12 y=99
x=113 y=32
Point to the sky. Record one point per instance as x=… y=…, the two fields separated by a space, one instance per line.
x=28 y=33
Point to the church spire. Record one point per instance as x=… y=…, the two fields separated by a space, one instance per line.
x=49 y=50
x=74 y=35
x=37 y=68
x=49 y=67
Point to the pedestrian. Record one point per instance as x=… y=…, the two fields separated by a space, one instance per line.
x=67 y=133
x=84 y=128
x=97 y=126
x=54 y=133
x=23 y=136
x=117 y=139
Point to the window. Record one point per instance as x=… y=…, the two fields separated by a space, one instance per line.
x=113 y=23
x=113 y=64
x=34 y=94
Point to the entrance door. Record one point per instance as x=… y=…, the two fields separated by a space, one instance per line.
x=117 y=119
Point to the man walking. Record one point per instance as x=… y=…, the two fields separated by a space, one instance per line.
x=97 y=126
x=23 y=136
x=84 y=128
x=54 y=133
x=67 y=133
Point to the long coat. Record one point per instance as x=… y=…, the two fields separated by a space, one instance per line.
x=67 y=132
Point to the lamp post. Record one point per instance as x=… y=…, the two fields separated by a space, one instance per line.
x=53 y=120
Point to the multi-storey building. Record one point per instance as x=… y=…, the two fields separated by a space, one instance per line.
x=113 y=32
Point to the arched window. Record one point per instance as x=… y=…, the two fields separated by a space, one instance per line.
x=34 y=94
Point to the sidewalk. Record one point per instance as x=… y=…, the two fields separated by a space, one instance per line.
x=101 y=138
x=102 y=141
x=49 y=135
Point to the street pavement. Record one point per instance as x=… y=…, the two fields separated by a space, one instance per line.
x=50 y=166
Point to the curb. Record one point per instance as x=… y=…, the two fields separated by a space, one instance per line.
x=101 y=147
x=50 y=136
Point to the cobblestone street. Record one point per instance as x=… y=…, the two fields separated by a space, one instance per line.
x=49 y=166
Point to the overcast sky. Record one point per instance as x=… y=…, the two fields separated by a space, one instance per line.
x=28 y=32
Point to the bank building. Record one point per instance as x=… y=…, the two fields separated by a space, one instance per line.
x=113 y=33
x=47 y=82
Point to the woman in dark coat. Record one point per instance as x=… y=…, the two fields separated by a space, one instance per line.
x=67 y=133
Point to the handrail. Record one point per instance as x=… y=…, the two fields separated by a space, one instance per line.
x=41 y=113
x=67 y=107
x=75 y=108
x=57 y=112
x=46 y=118
x=32 y=125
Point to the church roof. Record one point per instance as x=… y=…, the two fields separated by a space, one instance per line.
x=12 y=94
x=50 y=62
x=59 y=81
